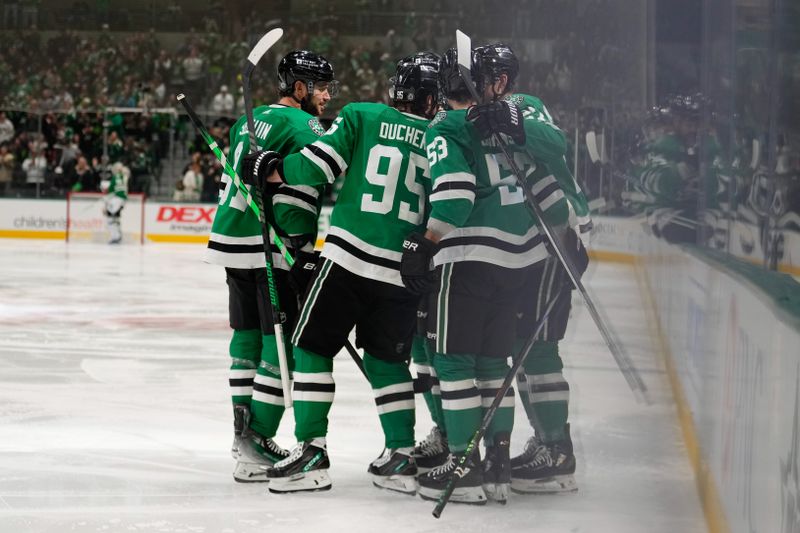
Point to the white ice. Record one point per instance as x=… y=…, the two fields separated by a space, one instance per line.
x=115 y=415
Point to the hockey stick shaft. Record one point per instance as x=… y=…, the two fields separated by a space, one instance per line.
x=258 y=51
x=214 y=147
x=627 y=369
x=475 y=440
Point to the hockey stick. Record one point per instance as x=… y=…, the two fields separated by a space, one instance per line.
x=461 y=469
x=229 y=170
x=261 y=47
x=629 y=372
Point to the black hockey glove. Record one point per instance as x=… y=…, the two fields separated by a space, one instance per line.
x=575 y=251
x=415 y=264
x=302 y=271
x=498 y=117
x=256 y=167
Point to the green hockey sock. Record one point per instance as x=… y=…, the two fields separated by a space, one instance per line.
x=422 y=356
x=313 y=394
x=461 y=400
x=394 y=397
x=491 y=372
x=267 y=405
x=245 y=352
x=548 y=392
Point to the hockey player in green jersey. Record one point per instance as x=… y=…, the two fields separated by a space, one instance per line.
x=548 y=462
x=116 y=190
x=482 y=239
x=305 y=85
x=380 y=150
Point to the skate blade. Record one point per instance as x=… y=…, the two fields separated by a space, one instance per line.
x=466 y=495
x=313 y=481
x=496 y=492
x=250 y=473
x=551 y=485
x=402 y=484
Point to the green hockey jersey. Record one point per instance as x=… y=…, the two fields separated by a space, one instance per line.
x=381 y=153
x=475 y=203
x=236 y=240
x=551 y=168
x=117 y=186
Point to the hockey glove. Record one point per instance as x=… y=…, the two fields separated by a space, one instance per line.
x=256 y=167
x=575 y=252
x=498 y=117
x=302 y=271
x=415 y=264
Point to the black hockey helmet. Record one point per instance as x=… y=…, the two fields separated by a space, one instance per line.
x=492 y=60
x=305 y=66
x=416 y=77
x=450 y=81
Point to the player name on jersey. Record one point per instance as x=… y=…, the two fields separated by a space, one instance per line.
x=403 y=133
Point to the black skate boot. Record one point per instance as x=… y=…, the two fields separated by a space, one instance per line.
x=395 y=470
x=527 y=455
x=305 y=470
x=468 y=489
x=241 y=420
x=551 y=469
x=432 y=451
x=497 y=469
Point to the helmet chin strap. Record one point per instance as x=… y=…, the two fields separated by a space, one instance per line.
x=305 y=102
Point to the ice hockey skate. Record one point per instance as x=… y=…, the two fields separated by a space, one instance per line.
x=395 y=470
x=305 y=470
x=253 y=453
x=544 y=468
x=468 y=489
x=432 y=451
x=497 y=469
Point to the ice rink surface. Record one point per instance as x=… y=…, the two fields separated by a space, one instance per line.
x=115 y=414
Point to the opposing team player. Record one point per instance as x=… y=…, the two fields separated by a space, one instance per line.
x=483 y=240
x=380 y=150
x=548 y=462
x=116 y=190
x=306 y=85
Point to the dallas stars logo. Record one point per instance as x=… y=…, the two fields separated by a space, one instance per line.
x=316 y=127
x=790 y=480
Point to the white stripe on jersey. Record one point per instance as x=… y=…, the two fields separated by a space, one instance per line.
x=370 y=249
x=486 y=231
x=359 y=267
x=323 y=166
x=328 y=149
x=291 y=200
x=453 y=194
x=226 y=239
x=555 y=196
x=540 y=185
x=455 y=177
x=488 y=254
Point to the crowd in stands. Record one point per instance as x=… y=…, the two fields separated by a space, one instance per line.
x=65 y=95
